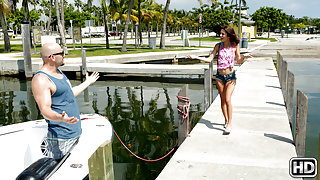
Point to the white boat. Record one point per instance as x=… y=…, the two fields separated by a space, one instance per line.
x=24 y=144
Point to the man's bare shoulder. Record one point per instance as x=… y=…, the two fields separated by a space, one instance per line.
x=40 y=81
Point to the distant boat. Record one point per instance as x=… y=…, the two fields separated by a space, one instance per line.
x=24 y=144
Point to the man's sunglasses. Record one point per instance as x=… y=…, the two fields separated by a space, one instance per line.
x=60 y=53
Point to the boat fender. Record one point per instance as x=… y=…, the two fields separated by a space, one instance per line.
x=38 y=170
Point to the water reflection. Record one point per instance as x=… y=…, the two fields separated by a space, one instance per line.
x=143 y=114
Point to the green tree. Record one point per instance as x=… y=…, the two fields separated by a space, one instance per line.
x=216 y=17
x=269 y=18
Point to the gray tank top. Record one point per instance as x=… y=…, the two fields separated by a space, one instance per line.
x=63 y=100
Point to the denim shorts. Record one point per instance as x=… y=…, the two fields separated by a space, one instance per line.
x=227 y=77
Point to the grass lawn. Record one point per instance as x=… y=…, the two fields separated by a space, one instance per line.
x=113 y=51
x=97 y=49
x=270 y=39
x=211 y=38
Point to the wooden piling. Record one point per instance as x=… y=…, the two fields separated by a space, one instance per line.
x=207 y=88
x=301 y=123
x=280 y=67
x=278 y=59
x=182 y=122
x=84 y=63
x=25 y=32
x=284 y=72
x=290 y=94
x=208 y=75
x=101 y=163
x=318 y=175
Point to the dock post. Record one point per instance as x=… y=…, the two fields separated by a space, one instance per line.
x=101 y=163
x=284 y=72
x=182 y=122
x=84 y=63
x=207 y=88
x=278 y=59
x=290 y=94
x=208 y=73
x=318 y=175
x=301 y=123
x=175 y=60
x=280 y=68
x=25 y=32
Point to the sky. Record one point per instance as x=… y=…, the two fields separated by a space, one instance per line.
x=297 y=8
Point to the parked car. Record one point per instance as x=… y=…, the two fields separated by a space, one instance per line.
x=112 y=33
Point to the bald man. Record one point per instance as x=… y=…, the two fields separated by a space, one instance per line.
x=56 y=100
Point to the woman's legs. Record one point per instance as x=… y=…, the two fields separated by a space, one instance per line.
x=221 y=90
x=228 y=90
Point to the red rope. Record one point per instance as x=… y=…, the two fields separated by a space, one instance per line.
x=148 y=160
x=185 y=110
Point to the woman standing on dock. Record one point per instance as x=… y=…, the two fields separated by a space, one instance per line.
x=227 y=50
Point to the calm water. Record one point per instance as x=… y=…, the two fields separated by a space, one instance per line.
x=144 y=115
x=307 y=79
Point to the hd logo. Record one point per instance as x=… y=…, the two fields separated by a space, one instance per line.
x=303 y=167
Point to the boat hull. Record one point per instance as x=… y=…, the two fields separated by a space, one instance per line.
x=24 y=143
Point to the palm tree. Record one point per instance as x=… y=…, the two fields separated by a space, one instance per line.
x=163 y=30
x=105 y=8
x=26 y=9
x=213 y=1
x=78 y=4
x=61 y=27
x=47 y=4
x=4 y=10
x=124 y=44
x=34 y=3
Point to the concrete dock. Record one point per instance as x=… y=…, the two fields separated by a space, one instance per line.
x=260 y=144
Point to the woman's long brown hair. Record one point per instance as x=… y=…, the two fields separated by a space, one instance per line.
x=230 y=33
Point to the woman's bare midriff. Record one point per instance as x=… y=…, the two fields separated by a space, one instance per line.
x=226 y=71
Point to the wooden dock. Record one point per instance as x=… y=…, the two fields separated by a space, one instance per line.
x=260 y=144
x=140 y=68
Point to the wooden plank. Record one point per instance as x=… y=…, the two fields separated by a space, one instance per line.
x=182 y=122
x=301 y=123
x=290 y=94
x=140 y=68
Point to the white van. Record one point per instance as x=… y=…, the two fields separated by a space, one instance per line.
x=10 y=33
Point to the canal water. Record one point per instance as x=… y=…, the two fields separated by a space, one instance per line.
x=144 y=115
x=307 y=79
